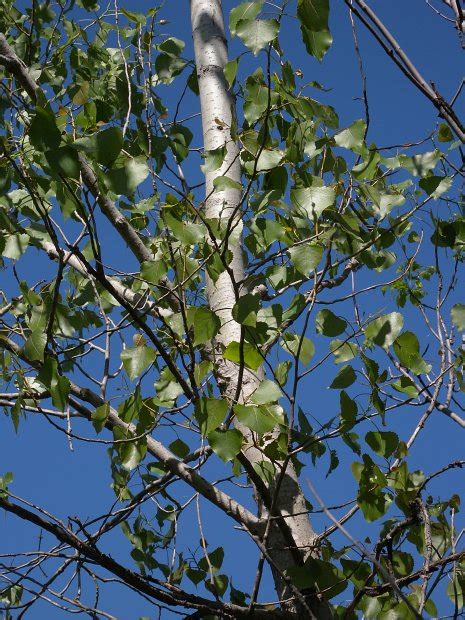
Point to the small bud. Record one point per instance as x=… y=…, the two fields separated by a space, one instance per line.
x=139 y=340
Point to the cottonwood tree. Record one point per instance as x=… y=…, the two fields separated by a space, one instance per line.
x=180 y=295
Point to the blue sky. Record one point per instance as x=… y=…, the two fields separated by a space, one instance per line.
x=77 y=483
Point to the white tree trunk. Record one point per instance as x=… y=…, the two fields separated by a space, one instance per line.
x=217 y=107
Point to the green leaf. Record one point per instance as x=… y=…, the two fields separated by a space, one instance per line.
x=100 y=416
x=252 y=357
x=64 y=162
x=267 y=392
x=153 y=271
x=179 y=448
x=257 y=419
x=219 y=585
x=353 y=137
x=348 y=410
x=247 y=11
x=6 y=480
x=444 y=133
x=268 y=159
x=215 y=560
x=407 y=349
x=357 y=571
x=328 y=324
x=222 y=183
x=196 y=576
x=374 y=505
x=168 y=389
x=458 y=316
x=57 y=384
x=187 y=233
x=34 y=346
x=456 y=589
x=313 y=200
x=291 y=343
x=313 y=16
x=256 y=34
x=103 y=146
x=383 y=443
x=318 y=575
x=15 y=246
x=384 y=330
x=210 y=413
x=435 y=186
x=258 y=99
x=43 y=131
x=402 y=563
x=180 y=137
x=132 y=453
x=405 y=386
x=168 y=67
x=230 y=71
x=214 y=159
x=245 y=310
x=226 y=444
x=371 y=498
x=206 y=324
x=344 y=378
x=125 y=180
x=172 y=46
x=317 y=43
x=306 y=257
x=137 y=359
x=368 y=168
x=421 y=164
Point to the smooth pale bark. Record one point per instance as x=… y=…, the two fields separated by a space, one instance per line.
x=217 y=107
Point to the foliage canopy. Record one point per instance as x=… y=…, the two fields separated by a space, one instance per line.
x=110 y=258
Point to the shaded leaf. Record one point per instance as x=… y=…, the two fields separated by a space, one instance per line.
x=313 y=16
x=328 y=324
x=383 y=443
x=458 y=316
x=303 y=347
x=137 y=359
x=226 y=444
x=125 y=180
x=252 y=356
x=206 y=324
x=344 y=378
x=58 y=385
x=313 y=200
x=385 y=329
x=103 y=146
x=435 y=186
x=43 y=131
x=306 y=257
x=210 y=413
x=267 y=392
x=257 y=419
x=257 y=33
x=100 y=416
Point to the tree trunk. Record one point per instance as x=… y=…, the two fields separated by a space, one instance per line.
x=217 y=107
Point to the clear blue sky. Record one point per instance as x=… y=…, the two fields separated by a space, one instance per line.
x=77 y=483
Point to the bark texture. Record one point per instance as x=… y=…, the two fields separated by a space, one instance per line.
x=217 y=107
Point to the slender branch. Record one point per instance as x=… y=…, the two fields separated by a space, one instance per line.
x=217 y=497
x=175 y=596
x=390 y=45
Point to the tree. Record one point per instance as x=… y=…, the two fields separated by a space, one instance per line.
x=191 y=352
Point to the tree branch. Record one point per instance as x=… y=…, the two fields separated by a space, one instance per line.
x=390 y=45
x=175 y=596
x=227 y=504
